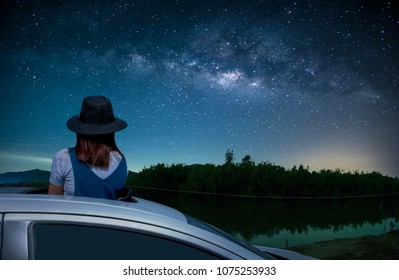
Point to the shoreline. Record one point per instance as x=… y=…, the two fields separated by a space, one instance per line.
x=370 y=247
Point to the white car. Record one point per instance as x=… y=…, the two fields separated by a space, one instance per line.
x=37 y=226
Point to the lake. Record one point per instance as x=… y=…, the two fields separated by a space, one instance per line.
x=285 y=223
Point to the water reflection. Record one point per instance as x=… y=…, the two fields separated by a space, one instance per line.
x=286 y=239
x=287 y=223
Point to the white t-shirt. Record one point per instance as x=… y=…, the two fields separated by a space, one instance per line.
x=62 y=172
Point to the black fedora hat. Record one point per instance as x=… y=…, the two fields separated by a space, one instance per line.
x=96 y=117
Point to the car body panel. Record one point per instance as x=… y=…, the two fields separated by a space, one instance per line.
x=1 y=232
x=15 y=241
x=21 y=210
x=283 y=254
x=88 y=206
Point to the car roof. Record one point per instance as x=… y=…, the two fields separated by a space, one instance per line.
x=142 y=210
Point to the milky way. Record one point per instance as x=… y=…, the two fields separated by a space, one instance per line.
x=297 y=82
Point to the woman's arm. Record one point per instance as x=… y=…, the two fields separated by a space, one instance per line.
x=56 y=190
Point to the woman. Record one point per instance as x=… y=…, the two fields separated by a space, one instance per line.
x=95 y=167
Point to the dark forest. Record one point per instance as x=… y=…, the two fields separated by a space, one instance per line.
x=263 y=179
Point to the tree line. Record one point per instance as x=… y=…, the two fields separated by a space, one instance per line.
x=263 y=179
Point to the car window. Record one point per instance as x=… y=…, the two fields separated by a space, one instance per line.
x=201 y=224
x=80 y=241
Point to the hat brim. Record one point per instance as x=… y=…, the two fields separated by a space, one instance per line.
x=77 y=126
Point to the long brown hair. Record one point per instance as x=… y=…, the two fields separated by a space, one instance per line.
x=95 y=149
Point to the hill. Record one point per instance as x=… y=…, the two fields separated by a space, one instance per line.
x=31 y=176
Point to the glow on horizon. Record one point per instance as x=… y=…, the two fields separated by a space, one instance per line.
x=344 y=161
x=337 y=159
x=16 y=163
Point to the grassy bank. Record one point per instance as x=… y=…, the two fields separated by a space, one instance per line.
x=382 y=247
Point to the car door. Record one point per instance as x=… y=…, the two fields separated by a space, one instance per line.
x=1 y=232
x=58 y=236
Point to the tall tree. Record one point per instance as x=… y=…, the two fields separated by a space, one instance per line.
x=229 y=157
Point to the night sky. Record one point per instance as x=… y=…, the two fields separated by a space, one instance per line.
x=286 y=82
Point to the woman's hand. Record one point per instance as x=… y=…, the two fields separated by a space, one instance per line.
x=56 y=190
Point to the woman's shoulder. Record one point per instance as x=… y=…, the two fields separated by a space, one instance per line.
x=63 y=152
x=61 y=155
x=117 y=156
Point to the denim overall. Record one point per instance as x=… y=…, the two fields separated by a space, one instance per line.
x=87 y=183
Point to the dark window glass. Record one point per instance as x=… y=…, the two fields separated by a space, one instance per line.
x=198 y=223
x=74 y=241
